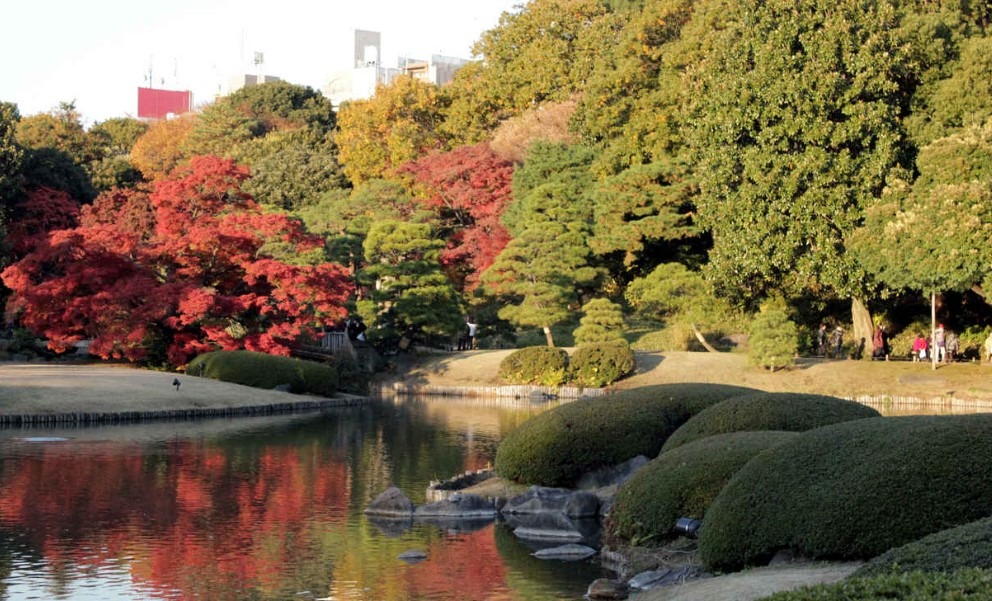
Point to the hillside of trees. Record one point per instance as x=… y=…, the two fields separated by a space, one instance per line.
x=689 y=160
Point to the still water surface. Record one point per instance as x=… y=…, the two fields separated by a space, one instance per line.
x=260 y=508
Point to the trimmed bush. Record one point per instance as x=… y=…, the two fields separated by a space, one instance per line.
x=682 y=483
x=853 y=490
x=916 y=586
x=538 y=365
x=601 y=363
x=773 y=342
x=558 y=446
x=261 y=370
x=793 y=412
x=968 y=546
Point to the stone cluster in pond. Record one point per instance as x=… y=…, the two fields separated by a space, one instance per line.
x=557 y=523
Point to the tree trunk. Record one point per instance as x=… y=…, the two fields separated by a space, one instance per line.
x=548 y=336
x=933 y=330
x=863 y=327
x=702 y=341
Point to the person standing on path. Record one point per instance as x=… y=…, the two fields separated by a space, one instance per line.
x=472 y=329
x=837 y=341
x=940 y=344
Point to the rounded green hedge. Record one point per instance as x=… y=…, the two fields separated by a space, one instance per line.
x=539 y=365
x=963 y=585
x=558 y=446
x=601 y=363
x=789 y=411
x=967 y=546
x=261 y=370
x=853 y=490
x=682 y=483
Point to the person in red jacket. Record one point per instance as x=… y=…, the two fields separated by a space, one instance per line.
x=919 y=348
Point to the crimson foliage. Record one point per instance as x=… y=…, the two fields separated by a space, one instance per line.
x=196 y=278
x=469 y=188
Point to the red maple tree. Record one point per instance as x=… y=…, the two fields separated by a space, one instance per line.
x=469 y=189
x=198 y=277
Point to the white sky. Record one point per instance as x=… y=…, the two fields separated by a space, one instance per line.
x=98 y=52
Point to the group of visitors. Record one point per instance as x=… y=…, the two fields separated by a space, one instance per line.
x=466 y=341
x=941 y=348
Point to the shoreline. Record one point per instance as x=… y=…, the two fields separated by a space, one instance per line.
x=61 y=394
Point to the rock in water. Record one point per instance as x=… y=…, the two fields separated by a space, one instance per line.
x=412 y=556
x=392 y=502
x=459 y=506
x=571 y=552
x=604 y=588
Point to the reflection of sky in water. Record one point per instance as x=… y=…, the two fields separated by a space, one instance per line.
x=265 y=508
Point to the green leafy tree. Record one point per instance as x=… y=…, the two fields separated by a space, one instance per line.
x=641 y=207
x=539 y=272
x=796 y=125
x=10 y=155
x=409 y=291
x=255 y=111
x=602 y=321
x=552 y=184
x=933 y=236
x=773 y=341
x=675 y=294
x=544 y=51
x=291 y=169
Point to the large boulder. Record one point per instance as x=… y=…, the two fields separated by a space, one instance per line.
x=458 y=506
x=545 y=500
x=392 y=502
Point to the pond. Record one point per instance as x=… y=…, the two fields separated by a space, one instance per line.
x=260 y=508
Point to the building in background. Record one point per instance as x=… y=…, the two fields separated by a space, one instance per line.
x=154 y=104
x=247 y=80
x=359 y=82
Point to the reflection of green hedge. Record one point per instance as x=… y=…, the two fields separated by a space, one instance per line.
x=853 y=490
x=963 y=584
x=540 y=365
x=266 y=371
x=793 y=412
x=683 y=483
x=558 y=446
x=968 y=546
x=601 y=363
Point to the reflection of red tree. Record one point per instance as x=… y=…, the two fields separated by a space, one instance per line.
x=469 y=564
x=190 y=521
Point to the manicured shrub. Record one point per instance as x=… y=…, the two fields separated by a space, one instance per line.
x=794 y=412
x=853 y=490
x=602 y=321
x=539 y=365
x=773 y=341
x=602 y=363
x=968 y=546
x=915 y=586
x=682 y=483
x=558 y=446
x=260 y=370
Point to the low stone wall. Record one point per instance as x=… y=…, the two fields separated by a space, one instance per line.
x=118 y=417
x=493 y=392
x=439 y=490
x=950 y=404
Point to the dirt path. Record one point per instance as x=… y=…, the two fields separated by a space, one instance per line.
x=971 y=382
x=752 y=584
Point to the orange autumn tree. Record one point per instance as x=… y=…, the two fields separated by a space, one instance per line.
x=201 y=279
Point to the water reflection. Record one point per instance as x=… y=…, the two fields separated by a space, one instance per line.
x=259 y=508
